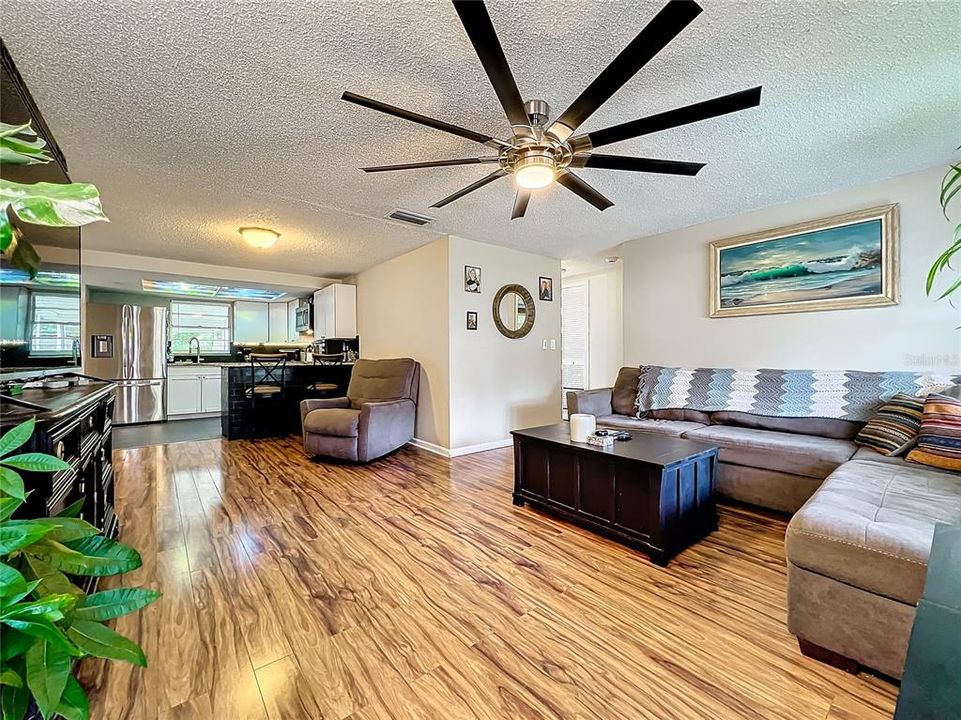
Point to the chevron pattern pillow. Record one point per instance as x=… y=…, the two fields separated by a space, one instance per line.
x=939 y=442
x=894 y=428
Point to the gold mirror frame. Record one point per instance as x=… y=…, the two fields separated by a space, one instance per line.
x=528 y=308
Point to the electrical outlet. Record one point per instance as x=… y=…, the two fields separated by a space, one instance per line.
x=553 y=344
x=544 y=345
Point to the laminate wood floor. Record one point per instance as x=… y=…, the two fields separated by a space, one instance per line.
x=413 y=588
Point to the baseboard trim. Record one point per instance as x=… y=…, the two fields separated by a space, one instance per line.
x=481 y=447
x=430 y=447
x=457 y=452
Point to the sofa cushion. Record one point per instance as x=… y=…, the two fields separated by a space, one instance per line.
x=340 y=422
x=806 y=455
x=939 y=440
x=824 y=427
x=894 y=428
x=624 y=393
x=697 y=416
x=867 y=454
x=870 y=525
x=674 y=428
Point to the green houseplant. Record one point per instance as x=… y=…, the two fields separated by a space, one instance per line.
x=950 y=199
x=46 y=621
x=42 y=203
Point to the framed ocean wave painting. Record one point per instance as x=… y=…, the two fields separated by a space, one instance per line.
x=838 y=263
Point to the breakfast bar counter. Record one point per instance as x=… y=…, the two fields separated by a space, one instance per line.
x=238 y=419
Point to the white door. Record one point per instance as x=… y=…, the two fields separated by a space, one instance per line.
x=575 y=331
x=210 y=394
x=183 y=395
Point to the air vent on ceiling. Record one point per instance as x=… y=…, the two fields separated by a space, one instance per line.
x=410 y=217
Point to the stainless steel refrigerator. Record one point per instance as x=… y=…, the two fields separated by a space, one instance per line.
x=128 y=344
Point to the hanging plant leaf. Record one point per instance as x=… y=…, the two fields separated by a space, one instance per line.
x=24 y=256
x=20 y=145
x=53 y=204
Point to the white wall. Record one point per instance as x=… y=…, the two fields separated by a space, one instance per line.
x=605 y=323
x=499 y=384
x=403 y=311
x=666 y=295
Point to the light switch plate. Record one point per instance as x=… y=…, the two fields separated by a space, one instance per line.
x=544 y=345
x=553 y=344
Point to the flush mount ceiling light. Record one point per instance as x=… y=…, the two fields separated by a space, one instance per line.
x=540 y=151
x=611 y=259
x=259 y=237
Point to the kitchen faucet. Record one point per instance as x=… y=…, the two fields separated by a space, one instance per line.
x=190 y=344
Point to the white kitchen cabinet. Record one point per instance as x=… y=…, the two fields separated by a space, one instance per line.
x=183 y=395
x=251 y=322
x=193 y=390
x=277 y=323
x=210 y=393
x=292 y=334
x=335 y=311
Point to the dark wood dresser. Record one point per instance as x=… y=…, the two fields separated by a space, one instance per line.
x=75 y=425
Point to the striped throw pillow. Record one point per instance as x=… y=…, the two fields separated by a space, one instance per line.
x=894 y=427
x=939 y=442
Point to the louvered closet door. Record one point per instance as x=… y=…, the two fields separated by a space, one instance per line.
x=574 y=335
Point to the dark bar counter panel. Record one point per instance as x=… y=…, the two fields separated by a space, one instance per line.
x=237 y=421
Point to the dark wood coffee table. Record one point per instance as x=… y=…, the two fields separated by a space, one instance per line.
x=653 y=492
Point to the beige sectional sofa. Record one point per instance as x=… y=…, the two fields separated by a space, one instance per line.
x=857 y=546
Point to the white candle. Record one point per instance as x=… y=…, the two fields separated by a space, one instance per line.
x=582 y=426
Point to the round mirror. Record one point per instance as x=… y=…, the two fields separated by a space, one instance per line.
x=513 y=311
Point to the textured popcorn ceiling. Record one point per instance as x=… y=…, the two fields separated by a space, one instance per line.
x=196 y=118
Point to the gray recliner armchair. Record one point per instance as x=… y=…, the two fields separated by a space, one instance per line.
x=376 y=417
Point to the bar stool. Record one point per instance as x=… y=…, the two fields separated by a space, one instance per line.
x=267 y=393
x=324 y=389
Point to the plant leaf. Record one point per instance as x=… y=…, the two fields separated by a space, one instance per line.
x=95 y=556
x=73 y=509
x=48 y=667
x=8 y=506
x=24 y=256
x=14 y=644
x=51 y=607
x=98 y=640
x=53 y=204
x=7 y=129
x=6 y=230
x=16 y=436
x=66 y=529
x=73 y=703
x=35 y=462
x=14 y=700
x=40 y=628
x=17 y=534
x=114 y=603
x=11 y=581
x=9 y=677
x=951 y=288
x=11 y=484
x=52 y=581
x=17 y=595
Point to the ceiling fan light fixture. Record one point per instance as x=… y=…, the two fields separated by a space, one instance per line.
x=258 y=237
x=535 y=170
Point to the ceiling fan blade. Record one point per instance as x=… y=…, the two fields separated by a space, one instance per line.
x=705 y=110
x=429 y=164
x=579 y=187
x=666 y=25
x=498 y=173
x=521 y=200
x=636 y=164
x=422 y=119
x=483 y=37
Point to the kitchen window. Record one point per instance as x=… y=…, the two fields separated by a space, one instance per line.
x=208 y=322
x=56 y=325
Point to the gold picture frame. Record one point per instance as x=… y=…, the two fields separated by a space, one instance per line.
x=755 y=274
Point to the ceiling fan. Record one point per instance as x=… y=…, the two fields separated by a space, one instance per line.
x=539 y=152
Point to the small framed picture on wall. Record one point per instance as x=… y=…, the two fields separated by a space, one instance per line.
x=545 y=289
x=471 y=320
x=472 y=279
